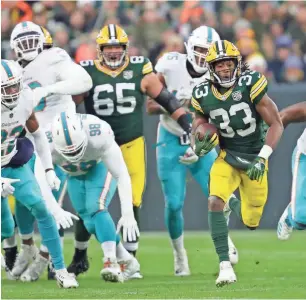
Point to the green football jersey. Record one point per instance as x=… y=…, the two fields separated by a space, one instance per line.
x=116 y=96
x=234 y=113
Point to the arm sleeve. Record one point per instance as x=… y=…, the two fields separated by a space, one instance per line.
x=195 y=102
x=72 y=79
x=114 y=161
x=42 y=148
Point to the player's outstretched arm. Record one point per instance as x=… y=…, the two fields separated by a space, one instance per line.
x=43 y=150
x=269 y=113
x=294 y=113
x=151 y=86
x=114 y=161
x=152 y=107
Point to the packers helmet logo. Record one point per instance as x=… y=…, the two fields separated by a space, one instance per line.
x=112 y=35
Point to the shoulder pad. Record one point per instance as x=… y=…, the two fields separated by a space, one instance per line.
x=167 y=61
x=86 y=63
x=55 y=55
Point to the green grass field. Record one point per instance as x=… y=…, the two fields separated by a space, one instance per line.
x=268 y=268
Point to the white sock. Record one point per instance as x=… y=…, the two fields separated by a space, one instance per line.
x=62 y=242
x=10 y=242
x=122 y=253
x=109 y=249
x=178 y=244
x=81 y=245
x=26 y=236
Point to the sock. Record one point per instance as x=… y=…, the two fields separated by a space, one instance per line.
x=219 y=233
x=80 y=232
x=104 y=227
x=109 y=249
x=49 y=233
x=178 y=244
x=10 y=242
x=121 y=253
x=235 y=205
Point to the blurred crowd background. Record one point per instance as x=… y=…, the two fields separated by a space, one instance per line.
x=271 y=35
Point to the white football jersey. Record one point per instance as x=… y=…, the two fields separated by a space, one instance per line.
x=43 y=71
x=100 y=137
x=301 y=143
x=173 y=66
x=13 y=122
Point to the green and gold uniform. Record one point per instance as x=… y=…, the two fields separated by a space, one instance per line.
x=116 y=98
x=241 y=138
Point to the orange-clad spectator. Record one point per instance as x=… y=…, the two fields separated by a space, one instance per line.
x=20 y=11
x=191 y=9
x=85 y=52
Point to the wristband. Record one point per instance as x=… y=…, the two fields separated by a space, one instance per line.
x=265 y=152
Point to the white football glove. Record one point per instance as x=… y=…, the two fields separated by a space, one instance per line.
x=6 y=186
x=189 y=157
x=53 y=180
x=130 y=230
x=64 y=218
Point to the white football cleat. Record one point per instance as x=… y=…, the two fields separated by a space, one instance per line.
x=26 y=255
x=130 y=268
x=35 y=270
x=284 y=229
x=136 y=275
x=65 y=280
x=232 y=252
x=181 y=267
x=226 y=274
x=111 y=271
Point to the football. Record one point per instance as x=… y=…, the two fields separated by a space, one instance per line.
x=202 y=129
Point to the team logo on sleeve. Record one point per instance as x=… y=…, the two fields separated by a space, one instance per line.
x=128 y=74
x=237 y=96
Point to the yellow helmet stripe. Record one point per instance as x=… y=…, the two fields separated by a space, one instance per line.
x=112 y=31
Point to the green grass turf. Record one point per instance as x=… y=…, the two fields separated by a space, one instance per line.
x=268 y=268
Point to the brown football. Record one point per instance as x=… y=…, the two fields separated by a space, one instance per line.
x=202 y=129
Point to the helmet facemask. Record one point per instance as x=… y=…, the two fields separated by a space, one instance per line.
x=113 y=56
x=227 y=74
x=28 y=45
x=10 y=92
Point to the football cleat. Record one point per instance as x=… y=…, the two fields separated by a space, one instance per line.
x=226 y=274
x=232 y=252
x=26 y=255
x=136 y=275
x=35 y=270
x=80 y=263
x=284 y=229
x=65 y=280
x=129 y=268
x=111 y=271
x=181 y=267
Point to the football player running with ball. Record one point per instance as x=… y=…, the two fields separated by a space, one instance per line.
x=174 y=155
x=294 y=216
x=236 y=102
x=120 y=85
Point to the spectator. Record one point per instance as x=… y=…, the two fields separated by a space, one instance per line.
x=293 y=70
x=228 y=18
x=174 y=44
x=283 y=51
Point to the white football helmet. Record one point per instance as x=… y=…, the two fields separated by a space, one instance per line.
x=69 y=137
x=27 y=40
x=11 y=83
x=201 y=37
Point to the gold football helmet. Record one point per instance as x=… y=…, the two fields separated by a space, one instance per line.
x=219 y=51
x=112 y=44
x=48 y=41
